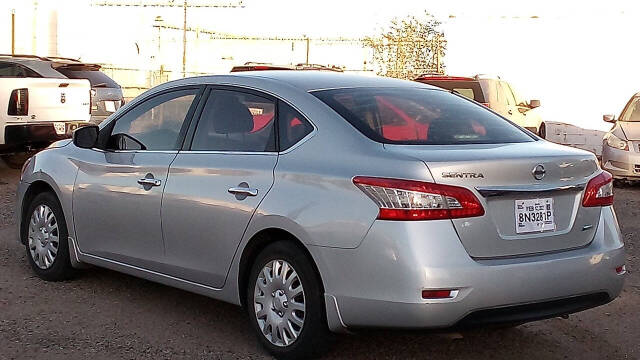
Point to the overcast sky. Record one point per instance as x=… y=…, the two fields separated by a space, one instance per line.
x=580 y=58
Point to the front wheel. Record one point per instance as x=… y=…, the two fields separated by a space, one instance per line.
x=46 y=238
x=285 y=303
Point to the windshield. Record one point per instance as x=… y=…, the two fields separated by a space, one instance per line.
x=420 y=116
x=95 y=77
x=632 y=111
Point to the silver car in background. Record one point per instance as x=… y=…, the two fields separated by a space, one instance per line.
x=621 y=145
x=328 y=202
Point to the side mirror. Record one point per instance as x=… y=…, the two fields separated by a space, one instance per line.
x=609 y=118
x=534 y=103
x=85 y=137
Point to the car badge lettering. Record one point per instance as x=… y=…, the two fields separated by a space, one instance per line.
x=462 y=175
x=63 y=98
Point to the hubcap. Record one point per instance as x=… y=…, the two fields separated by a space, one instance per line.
x=279 y=303
x=43 y=237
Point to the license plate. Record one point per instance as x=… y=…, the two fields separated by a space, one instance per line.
x=110 y=106
x=60 y=128
x=534 y=215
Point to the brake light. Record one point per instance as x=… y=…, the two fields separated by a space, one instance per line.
x=19 y=103
x=416 y=200
x=487 y=105
x=599 y=191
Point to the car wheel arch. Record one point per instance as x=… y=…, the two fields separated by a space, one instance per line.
x=35 y=188
x=256 y=244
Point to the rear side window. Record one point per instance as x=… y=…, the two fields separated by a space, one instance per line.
x=236 y=121
x=420 y=116
x=469 y=89
x=292 y=126
x=95 y=77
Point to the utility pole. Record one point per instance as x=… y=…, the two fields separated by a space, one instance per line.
x=13 y=31
x=307 y=50
x=184 y=42
x=170 y=3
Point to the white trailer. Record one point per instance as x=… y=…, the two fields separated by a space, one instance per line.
x=575 y=136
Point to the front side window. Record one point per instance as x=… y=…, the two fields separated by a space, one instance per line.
x=236 y=121
x=508 y=95
x=632 y=111
x=420 y=116
x=154 y=124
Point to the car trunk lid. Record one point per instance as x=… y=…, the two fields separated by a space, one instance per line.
x=502 y=174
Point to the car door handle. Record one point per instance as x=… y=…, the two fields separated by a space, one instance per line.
x=150 y=181
x=243 y=191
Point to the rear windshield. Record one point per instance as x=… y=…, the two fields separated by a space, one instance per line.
x=420 y=116
x=95 y=77
x=470 y=89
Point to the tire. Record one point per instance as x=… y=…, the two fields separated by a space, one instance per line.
x=283 y=308
x=45 y=212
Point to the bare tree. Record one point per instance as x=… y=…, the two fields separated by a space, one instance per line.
x=409 y=47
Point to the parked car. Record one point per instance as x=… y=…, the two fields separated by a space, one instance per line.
x=258 y=66
x=495 y=94
x=106 y=94
x=325 y=202
x=40 y=106
x=621 y=144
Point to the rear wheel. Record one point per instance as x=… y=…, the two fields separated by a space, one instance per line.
x=285 y=304
x=46 y=238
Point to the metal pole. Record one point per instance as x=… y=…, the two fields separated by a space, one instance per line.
x=307 y=62
x=13 y=31
x=184 y=42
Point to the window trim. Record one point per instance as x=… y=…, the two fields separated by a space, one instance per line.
x=183 y=130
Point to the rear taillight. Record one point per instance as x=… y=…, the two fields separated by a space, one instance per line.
x=416 y=200
x=487 y=105
x=439 y=294
x=599 y=191
x=19 y=103
x=92 y=93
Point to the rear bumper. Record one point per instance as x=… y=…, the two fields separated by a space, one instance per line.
x=379 y=283
x=17 y=137
x=621 y=164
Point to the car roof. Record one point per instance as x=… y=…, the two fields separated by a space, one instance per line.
x=38 y=64
x=311 y=80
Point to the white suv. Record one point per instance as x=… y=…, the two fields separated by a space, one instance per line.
x=494 y=93
x=38 y=105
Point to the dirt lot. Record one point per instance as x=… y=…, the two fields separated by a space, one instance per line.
x=106 y=315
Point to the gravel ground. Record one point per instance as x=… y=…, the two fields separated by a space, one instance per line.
x=106 y=315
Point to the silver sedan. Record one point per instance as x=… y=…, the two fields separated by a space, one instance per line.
x=325 y=202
